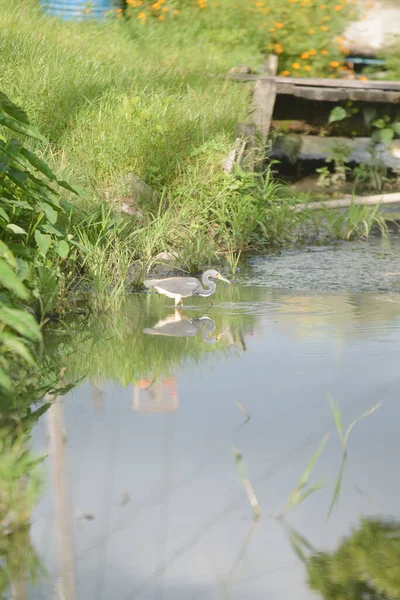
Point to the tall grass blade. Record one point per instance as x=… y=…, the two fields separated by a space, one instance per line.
x=251 y=495
x=304 y=478
x=368 y=412
x=338 y=487
x=337 y=416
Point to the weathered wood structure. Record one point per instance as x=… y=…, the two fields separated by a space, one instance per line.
x=270 y=88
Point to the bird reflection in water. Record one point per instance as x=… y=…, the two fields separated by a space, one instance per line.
x=177 y=325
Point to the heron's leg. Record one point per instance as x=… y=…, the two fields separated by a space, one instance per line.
x=211 y=304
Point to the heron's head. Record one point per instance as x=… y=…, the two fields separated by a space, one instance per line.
x=215 y=275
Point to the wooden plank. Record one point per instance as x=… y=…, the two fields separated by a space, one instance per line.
x=348 y=201
x=330 y=83
x=262 y=106
x=338 y=94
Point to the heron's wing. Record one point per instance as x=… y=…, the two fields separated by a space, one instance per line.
x=184 y=286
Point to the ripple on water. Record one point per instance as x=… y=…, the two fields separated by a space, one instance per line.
x=356 y=266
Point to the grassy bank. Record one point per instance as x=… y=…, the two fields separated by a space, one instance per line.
x=151 y=97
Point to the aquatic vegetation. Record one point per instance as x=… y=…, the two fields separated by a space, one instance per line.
x=251 y=495
x=299 y=494
x=364 y=565
x=344 y=437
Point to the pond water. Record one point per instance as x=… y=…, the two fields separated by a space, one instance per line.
x=146 y=497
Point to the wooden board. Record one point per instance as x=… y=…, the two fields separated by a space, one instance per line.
x=329 y=83
x=340 y=93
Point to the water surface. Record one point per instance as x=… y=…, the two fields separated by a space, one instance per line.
x=154 y=503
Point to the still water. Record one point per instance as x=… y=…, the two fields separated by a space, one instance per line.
x=145 y=498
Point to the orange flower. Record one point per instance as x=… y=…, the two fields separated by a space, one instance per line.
x=338 y=7
x=311 y=31
x=325 y=52
x=141 y=15
x=340 y=39
x=161 y=18
x=323 y=6
x=278 y=48
x=312 y=52
x=334 y=63
x=285 y=73
x=164 y=9
x=176 y=11
x=279 y=25
x=296 y=66
x=326 y=18
x=259 y=4
x=87 y=11
x=324 y=28
x=344 y=50
x=307 y=68
x=272 y=29
x=304 y=55
x=363 y=78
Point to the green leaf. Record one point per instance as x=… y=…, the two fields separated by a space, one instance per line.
x=337 y=114
x=337 y=416
x=12 y=109
x=379 y=123
x=5 y=381
x=21 y=321
x=8 y=256
x=20 y=250
x=43 y=241
x=16 y=229
x=396 y=127
x=387 y=135
x=62 y=249
x=23 y=128
x=50 y=229
x=39 y=164
x=4 y=214
x=74 y=189
x=49 y=211
x=16 y=346
x=10 y=281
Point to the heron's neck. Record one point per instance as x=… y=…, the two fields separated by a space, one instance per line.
x=209 y=286
x=206 y=332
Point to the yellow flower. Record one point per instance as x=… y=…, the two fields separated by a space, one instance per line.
x=307 y=68
x=285 y=73
x=141 y=15
x=176 y=11
x=161 y=18
x=296 y=66
x=344 y=50
x=272 y=29
x=325 y=18
x=325 y=52
x=338 y=7
x=155 y=6
x=363 y=78
x=334 y=63
x=311 y=31
x=278 y=48
x=340 y=39
x=279 y=25
x=312 y=52
x=259 y=4
x=324 y=28
x=323 y=6
x=164 y=9
x=304 y=55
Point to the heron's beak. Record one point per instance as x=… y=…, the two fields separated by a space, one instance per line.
x=223 y=279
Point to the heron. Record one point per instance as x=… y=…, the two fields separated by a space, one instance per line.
x=177 y=326
x=185 y=287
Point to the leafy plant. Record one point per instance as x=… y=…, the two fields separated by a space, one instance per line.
x=29 y=210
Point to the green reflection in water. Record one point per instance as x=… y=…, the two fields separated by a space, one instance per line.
x=364 y=567
x=148 y=339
